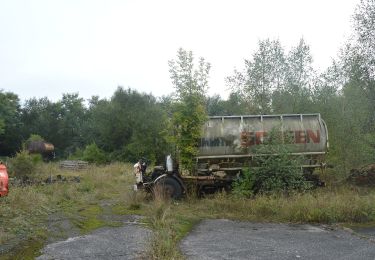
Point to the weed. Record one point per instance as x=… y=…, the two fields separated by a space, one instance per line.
x=24 y=212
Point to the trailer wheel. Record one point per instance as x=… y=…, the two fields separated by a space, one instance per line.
x=167 y=188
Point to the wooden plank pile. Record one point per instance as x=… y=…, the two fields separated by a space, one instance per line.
x=73 y=165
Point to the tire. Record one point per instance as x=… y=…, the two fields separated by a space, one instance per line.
x=167 y=188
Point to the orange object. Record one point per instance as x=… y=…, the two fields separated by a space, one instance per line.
x=3 y=180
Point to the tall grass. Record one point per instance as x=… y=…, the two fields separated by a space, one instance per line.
x=24 y=212
x=343 y=204
x=164 y=243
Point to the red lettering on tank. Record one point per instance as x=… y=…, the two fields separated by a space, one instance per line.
x=311 y=136
x=259 y=137
x=244 y=139
x=247 y=139
x=300 y=137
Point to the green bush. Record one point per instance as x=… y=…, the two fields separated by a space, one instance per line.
x=277 y=170
x=94 y=154
x=23 y=165
x=77 y=155
x=244 y=185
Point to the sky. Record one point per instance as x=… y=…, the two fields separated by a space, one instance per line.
x=90 y=47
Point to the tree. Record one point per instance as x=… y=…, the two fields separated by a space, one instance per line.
x=73 y=117
x=293 y=94
x=44 y=117
x=189 y=109
x=10 y=123
x=364 y=26
x=128 y=126
x=263 y=73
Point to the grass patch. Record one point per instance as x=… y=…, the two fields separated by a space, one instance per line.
x=121 y=209
x=24 y=212
x=26 y=250
x=89 y=219
x=320 y=206
x=170 y=226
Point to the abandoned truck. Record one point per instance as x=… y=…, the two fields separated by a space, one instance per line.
x=229 y=143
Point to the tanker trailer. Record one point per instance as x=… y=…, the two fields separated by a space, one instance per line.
x=47 y=150
x=229 y=143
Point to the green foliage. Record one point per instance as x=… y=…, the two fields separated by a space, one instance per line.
x=93 y=154
x=277 y=170
x=2 y=126
x=234 y=105
x=23 y=165
x=77 y=155
x=10 y=123
x=58 y=122
x=243 y=187
x=188 y=118
x=189 y=109
x=274 y=80
x=128 y=126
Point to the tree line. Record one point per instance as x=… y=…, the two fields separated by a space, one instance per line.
x=273 y=80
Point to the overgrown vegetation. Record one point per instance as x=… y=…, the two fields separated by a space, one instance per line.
x=93 y=154
x=276 y=171
x=23 y=165
x=83 y=202
x=25 y=212
x=188 y=109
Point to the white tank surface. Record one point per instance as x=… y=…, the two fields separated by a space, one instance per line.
x=238 y=136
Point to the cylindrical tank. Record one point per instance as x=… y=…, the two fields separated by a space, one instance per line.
x=238 y=136
x=3 y=180
x=40 y=147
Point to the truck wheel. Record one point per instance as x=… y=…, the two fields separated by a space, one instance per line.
x=168 y=188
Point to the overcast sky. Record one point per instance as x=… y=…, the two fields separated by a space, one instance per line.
x=50 y=47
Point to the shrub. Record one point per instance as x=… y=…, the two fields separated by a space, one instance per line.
x=23 y=164
x=94 y=154
x=77 y=155
x=244 y=185
x=277 y=170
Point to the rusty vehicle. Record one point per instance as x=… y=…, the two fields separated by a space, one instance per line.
x=3 y=180
x=45 y=149
x=229 y=143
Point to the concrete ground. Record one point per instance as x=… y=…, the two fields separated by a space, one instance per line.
x=225 y=239
x=126 y=242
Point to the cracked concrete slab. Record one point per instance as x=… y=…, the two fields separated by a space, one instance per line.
x=126 y=242
x=226 y=239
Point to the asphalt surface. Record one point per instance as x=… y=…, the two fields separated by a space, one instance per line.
x=225 y=239
x=126 y=242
